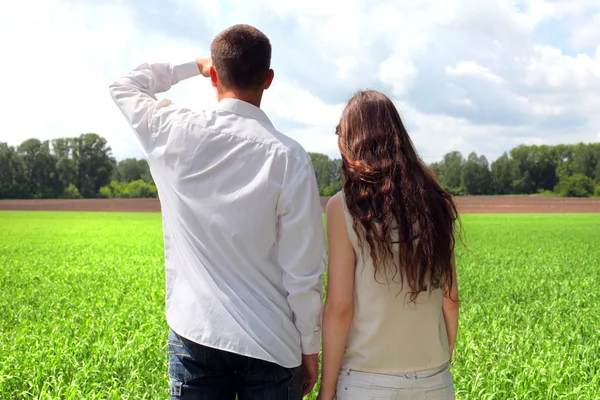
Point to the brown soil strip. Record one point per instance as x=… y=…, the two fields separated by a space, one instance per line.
x=466 y=205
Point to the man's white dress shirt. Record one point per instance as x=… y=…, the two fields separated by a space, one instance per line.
x=242 y=223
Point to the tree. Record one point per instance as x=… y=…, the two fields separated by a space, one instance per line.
x=39 y=165
x=475 y=175
x=596 y=152
x=577 y=185
x=584 y=160
x=6 y=169
x=65 y=166
x=71 y=192
x=93 y=163
x=140 y=189
x=132 y=169
x=451 y=170
x=565 y=160
x=563 y=170
x=484 y=176
x=327 y=172
x=84 y=167
x=336 y=175
x=12 y=174
x=468 y=176
x=436 y=168
x=501 y=175
x=132 y=190
x=543 y=169
x=521 y=170
x=114 y=190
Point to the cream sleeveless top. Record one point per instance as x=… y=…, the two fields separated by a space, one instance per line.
x=389 y=334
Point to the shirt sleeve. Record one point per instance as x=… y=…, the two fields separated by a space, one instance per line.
x=134 y=94
x=301 y=254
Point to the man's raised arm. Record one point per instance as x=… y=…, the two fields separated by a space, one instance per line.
x=134 y=94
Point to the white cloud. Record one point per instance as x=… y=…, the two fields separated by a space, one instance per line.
x=346 y=66
x=539 y=10
x=588 y=34
x=66 y=56
x=466 y=74
x=553 y=69
x=295 y=104
x=472 y=69
x=464 y=102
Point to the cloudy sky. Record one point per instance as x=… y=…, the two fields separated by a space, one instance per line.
x=467 y=75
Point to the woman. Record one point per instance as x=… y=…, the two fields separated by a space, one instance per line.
x=391 y=314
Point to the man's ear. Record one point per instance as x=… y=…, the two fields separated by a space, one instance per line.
x=214 y=78
x=270 y=76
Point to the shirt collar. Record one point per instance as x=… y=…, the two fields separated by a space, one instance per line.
x=243 y=108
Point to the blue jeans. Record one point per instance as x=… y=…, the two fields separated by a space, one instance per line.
x=201 y=373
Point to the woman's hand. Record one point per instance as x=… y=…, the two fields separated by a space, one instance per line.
x=326 y=395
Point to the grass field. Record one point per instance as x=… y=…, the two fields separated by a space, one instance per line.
x=82 y=307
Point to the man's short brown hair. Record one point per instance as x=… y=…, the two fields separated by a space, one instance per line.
x=241 y=55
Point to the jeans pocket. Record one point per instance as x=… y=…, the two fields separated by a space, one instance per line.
x=264 y=371
x=186 y=360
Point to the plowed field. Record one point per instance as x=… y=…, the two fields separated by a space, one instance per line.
x=466 y=205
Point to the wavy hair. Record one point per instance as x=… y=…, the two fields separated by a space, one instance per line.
x=394 y=197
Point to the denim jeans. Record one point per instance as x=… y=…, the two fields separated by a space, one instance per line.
x=201 y=373
x=423 y=385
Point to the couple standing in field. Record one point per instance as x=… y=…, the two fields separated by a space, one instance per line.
x=245 y=251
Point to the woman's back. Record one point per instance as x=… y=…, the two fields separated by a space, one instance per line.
x=391 y=314
x=389 y=333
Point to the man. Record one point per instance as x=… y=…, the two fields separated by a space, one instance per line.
x=243 y=234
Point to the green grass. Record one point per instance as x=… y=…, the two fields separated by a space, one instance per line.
x=82 y=307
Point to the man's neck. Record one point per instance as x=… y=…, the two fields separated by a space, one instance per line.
x=249 y=97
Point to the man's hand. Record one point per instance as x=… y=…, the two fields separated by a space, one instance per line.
x=310 y=372
x=204 y=65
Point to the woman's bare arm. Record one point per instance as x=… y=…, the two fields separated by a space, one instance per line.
x=339 y=305
x=450 y=307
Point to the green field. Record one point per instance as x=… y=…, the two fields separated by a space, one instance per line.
x=82 y=307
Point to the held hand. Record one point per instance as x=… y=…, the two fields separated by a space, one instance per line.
x=310 y=372
x=204 y=65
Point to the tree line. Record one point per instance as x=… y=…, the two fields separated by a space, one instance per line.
x=83 y=167
x=71 y=168
x=562 y=170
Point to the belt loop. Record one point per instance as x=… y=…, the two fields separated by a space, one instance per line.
x=176 y=386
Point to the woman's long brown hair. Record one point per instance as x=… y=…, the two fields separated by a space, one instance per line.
x=394 y=197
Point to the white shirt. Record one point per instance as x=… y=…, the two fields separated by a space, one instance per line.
x=242 y=222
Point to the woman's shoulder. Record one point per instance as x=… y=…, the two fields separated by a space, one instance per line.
x=336 y=202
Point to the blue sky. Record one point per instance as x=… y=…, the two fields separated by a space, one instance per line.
x=467 y=75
